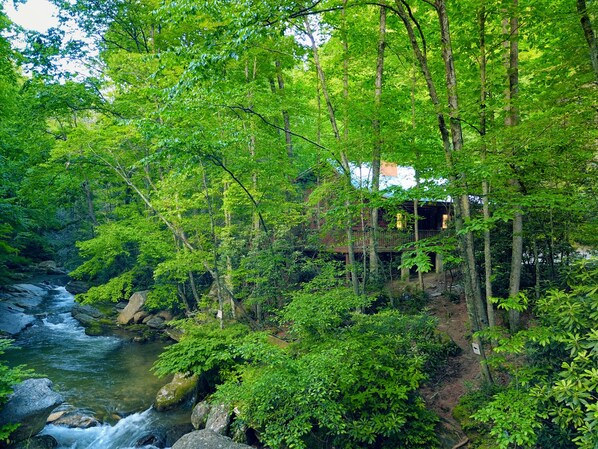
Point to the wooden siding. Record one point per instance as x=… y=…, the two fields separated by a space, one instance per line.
x=388 y=240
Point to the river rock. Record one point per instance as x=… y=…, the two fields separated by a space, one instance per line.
x=38 y=442
x=25 y=290
x=76 y=287
x=173 y=433
x=156 y=323
x=54 y=416
x=165 y=315
x=13 y=319
x=175 y=334
x=151 y=440
x=86 y=314
x=49 y=267
x=200 y=413
x=205 y=439
x=175 y=393
x=219 y=419
x=139 y=316
x=29 y=405
x=136 y=302
x=80 y=419
x=87 y=310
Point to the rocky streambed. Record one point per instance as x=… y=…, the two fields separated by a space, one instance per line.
x=103 y=384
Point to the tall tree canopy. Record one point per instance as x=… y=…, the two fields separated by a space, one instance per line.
x=219 y=144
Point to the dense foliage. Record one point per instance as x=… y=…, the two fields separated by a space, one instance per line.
x=9 y=377
x=553 y=370
x=345 y=377
x=217 y=157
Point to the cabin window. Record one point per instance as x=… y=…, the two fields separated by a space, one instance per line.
x=401 y=220
x=445 y=221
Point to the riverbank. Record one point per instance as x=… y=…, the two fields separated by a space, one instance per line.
x=106 y=377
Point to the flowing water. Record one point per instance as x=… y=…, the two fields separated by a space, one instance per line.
x=108 y=376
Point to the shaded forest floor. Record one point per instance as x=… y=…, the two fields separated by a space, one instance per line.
x=462 y=372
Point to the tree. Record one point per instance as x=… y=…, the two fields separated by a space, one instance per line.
x=557 y=380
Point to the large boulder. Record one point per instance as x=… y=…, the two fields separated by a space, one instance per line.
x=164 y=434
x=156 y=323
x=136 y=302
x=219 y=419
x=86 y=314
x=75 y=287
x=29 y=405
x=26 y=290
x=87 y=310
x=205 y=439
x=177 y=392
x=38 y=442
x=200 y=414
x=13 y=319
x=49 y=267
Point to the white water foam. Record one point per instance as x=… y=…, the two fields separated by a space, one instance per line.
x=125 y=434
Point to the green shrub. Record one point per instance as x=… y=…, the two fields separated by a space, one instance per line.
x=554 y=371
x=346 y=377
x=9 y=377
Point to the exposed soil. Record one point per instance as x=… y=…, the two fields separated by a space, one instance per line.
x=462 y=372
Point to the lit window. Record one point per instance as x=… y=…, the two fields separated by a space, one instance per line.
x=401 y=220
x=445 y=221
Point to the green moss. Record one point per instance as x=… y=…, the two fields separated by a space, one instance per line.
x=176 y=392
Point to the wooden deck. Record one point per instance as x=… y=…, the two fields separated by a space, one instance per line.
x=388 y=240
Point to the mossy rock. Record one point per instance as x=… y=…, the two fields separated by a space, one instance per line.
x=177 y=392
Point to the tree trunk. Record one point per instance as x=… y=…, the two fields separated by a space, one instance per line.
x=452 y=142
x=420 y=275
x=228 y=277
x=373 y=235
x=512 y=119
x=343 y=156
x=285 y=114
x=89 y=199
x=217 y=280
x=256 y=229
x=485 y=182
x=589 y=34
x=194 y=291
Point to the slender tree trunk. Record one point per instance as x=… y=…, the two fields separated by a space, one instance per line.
x=589 y=34
x=376 y=125
x=452 y=142
x=217 y=280
x=193 y=289
x=89 y=199
x=420 y=275
x=485 y=182
x=512 y=119
x=343 y=156
x=319 y=142
x=536 y=268
x=250 y=76
x=228 y=277
x=463 y=210
x=285 y=114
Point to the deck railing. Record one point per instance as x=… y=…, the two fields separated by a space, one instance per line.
x=388 y=240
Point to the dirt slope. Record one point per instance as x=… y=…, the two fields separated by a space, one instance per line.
x=462 y=372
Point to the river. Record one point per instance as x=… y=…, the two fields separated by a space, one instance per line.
x=108 y=376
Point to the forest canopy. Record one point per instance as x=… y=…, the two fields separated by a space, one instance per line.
x=213 y=153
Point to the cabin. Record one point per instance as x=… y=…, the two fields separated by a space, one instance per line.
x=396 y=224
